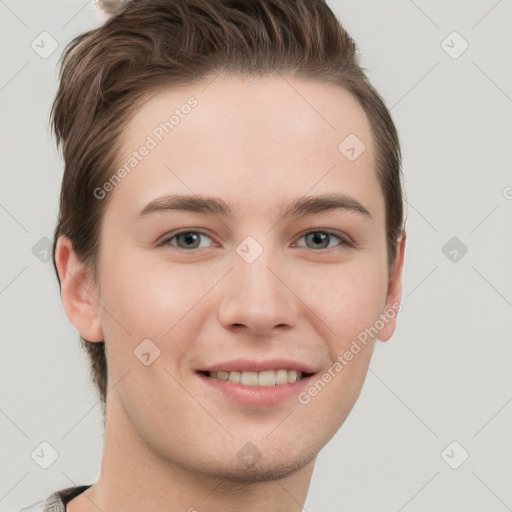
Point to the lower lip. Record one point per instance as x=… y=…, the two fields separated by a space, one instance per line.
x=259 y=396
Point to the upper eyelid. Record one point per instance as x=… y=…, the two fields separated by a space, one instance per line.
x=169 y=236
x=344 y=239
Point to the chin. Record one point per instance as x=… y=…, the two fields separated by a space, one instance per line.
x=265 y=469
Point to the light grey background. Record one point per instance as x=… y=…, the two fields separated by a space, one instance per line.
x=445 y=375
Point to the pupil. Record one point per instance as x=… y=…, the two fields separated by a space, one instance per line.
x=318 y=238
x=189 y=238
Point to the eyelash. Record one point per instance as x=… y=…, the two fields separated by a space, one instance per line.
x=344 y=241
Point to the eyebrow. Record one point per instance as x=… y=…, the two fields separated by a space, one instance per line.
x=308 y=205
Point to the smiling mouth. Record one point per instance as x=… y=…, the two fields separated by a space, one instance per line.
x=266 y=378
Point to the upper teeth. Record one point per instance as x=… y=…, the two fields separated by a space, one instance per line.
x=265 y=378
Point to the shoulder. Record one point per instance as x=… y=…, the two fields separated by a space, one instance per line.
x=57 y=501
x=35 y=507
x=51 y=504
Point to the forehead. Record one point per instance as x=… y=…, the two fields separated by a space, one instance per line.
x=248 y=140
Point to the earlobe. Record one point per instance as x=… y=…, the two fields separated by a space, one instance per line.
x=394 y=294
x=79 y=297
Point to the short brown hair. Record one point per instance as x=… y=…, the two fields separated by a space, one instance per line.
x=106 y=73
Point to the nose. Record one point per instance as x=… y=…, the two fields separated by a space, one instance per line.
x=258 y=296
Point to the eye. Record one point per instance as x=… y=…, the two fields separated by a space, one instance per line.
x=322 y=240
x=185 y=239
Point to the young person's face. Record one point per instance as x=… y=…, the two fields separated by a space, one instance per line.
x=254 y=290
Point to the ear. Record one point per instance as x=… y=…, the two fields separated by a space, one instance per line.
x=79 y=297
x=394 y=294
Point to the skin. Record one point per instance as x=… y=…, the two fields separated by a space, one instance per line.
x=171 y=442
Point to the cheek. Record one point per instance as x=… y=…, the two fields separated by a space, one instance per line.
x=346 y=307
x=328 y=400
x=345 y=298
x=359 y=307
x=150 y=297
x=159 y=301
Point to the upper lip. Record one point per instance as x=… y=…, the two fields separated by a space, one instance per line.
x=247 y=365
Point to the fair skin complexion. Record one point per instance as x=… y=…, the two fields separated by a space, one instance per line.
x=173 y=439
